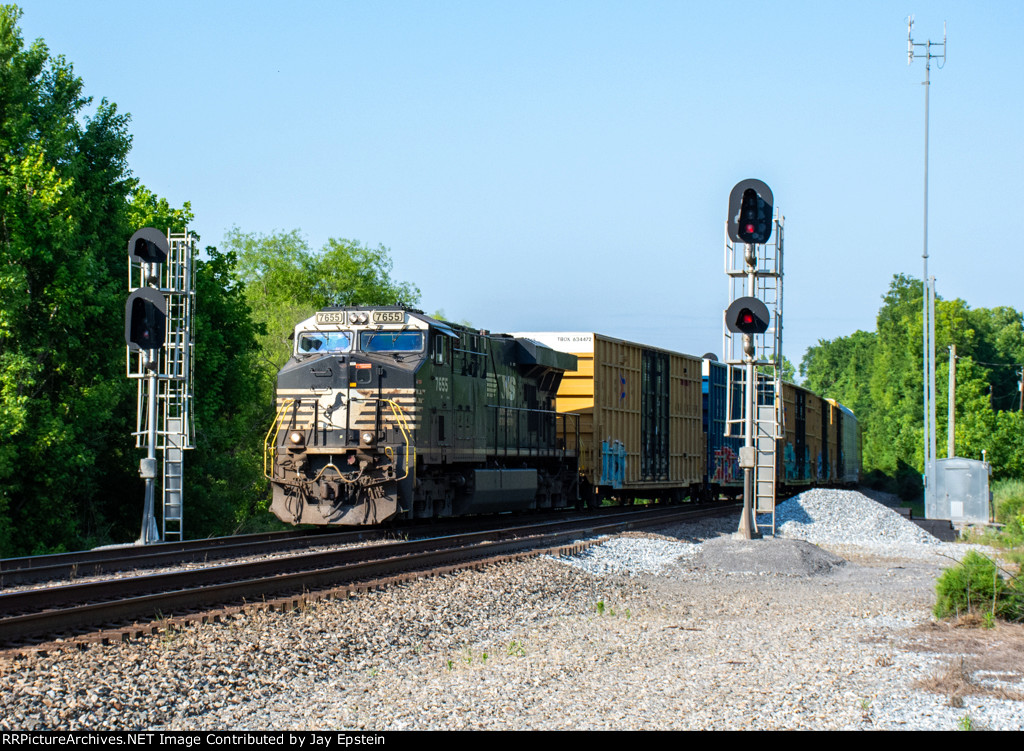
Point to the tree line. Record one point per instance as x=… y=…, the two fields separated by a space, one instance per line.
x=69 y=474
x=69 y=470
x=879 y=375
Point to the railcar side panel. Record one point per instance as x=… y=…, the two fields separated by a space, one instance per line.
x=640 y=414
x=802 y=456
x=850 y=453
x=816 y=474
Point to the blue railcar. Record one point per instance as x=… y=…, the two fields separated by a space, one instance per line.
x=722 y=473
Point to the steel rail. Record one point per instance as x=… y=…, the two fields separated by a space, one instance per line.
x=114 y=558
x=31 y=569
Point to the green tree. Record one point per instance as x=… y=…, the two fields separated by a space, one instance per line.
x=1001 y=348
x=879 y=376
x=286 y=281
x=224 y=478
x=66 y=211
x=841 y=369
x=63 y=174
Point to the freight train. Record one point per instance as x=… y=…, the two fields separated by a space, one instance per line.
x=385 y=413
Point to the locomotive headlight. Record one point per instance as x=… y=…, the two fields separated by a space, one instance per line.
x=367 y=437
x=296 y=437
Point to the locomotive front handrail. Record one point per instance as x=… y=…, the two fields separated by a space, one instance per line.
x=403 y=425
x=401 y=422
x=270 y=445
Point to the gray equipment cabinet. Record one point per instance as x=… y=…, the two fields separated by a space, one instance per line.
x=961 y=491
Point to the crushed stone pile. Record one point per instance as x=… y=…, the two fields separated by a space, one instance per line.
x=631 y=555
x=840 y=519
x=844 y=517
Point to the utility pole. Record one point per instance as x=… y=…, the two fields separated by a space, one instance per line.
x=951 y=421
x=928 y=344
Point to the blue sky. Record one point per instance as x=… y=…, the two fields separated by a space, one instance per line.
x=567 y=165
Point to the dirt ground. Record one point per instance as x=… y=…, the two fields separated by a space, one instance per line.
x=981 y=661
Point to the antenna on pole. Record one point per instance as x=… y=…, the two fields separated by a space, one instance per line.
x=910 y=40
x=928 y=303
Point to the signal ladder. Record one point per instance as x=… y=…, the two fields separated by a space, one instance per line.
x=769 y=419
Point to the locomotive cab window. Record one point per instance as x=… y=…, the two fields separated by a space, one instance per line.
x=440 y=345
x=318 y=342
x=391 y=341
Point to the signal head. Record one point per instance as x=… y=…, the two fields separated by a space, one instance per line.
x=145 y=320
x=750 y=212
x=747 y=315
x=148 y=245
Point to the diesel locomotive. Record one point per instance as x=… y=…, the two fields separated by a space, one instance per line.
x=384 y=413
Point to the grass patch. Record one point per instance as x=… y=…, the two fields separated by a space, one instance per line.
x=1008 y=534
x=1008 y=499
x=955 y=681
x=976 y=585
x=264 y=521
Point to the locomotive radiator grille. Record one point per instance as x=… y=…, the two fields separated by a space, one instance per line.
x=334 y=412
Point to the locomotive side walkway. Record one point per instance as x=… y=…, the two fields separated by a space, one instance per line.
x=678 y=630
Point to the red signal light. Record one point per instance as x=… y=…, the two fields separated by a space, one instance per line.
x=750 y=213
x=747 y=315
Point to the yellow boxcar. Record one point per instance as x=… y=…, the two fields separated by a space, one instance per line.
x=804 y=458
x=640 y=415
x=846 y=457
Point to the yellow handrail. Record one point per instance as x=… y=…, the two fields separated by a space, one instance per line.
x=270 y=445
x=403 y=425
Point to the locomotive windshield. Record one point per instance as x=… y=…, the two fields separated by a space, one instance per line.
x=325 y=341
x=391 y=341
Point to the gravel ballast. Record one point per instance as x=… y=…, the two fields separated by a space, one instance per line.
x=820 y=628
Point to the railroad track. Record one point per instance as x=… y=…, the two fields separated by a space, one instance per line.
x=114 y=558
x=61 y=567
x=112 y=608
